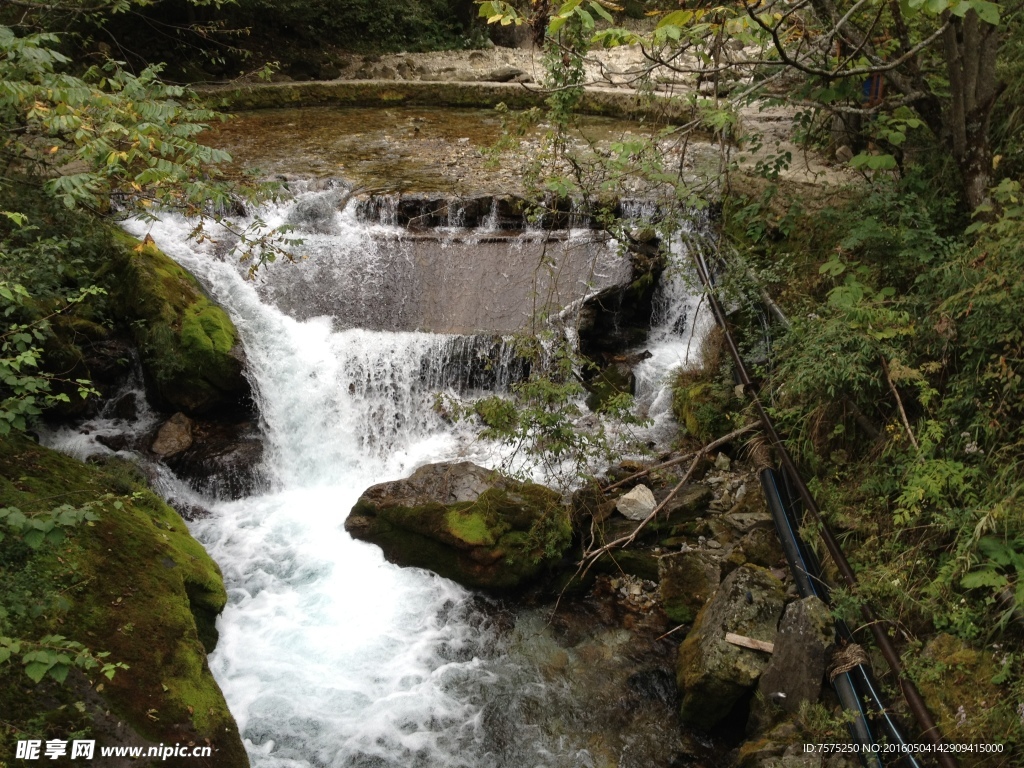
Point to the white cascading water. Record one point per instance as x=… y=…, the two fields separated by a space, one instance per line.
x=681 y=321
x=328 y=655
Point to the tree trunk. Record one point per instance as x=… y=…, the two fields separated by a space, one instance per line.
x=971 y=47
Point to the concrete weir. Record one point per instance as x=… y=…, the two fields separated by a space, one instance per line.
x=462 y=281
x=470 y=265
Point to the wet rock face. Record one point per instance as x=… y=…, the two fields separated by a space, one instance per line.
x=173 y=437
x=712 y=674
x=686 y=582
x=188 y=346
x=797 y=667
x=223 y=460
x=467 y=523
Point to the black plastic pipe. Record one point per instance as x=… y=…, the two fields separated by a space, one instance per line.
x=857 y=685
x=879 y=629
x=860 y=728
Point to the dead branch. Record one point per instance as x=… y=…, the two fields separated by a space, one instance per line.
x=899 y=403
x=680 y=459
x=589 y=558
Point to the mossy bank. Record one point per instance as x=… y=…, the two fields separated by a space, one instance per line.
x=133 y=583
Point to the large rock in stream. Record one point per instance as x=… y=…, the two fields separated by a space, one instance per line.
x=135 y=585
x=467 y=523
x=712 y=674
x=188 y=346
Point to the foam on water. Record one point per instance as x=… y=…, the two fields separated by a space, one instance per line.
x=328 y=655
x=681 y=321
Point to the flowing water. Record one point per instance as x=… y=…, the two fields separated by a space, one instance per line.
x=328 y=655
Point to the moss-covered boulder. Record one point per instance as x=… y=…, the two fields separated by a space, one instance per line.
x=686 y=581
x=969 y=692
x=704 y=399
x=467 y=523
x=133 y=583
x=188 y=346
x=712 y=674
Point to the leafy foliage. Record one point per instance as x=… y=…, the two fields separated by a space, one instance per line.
x=26 y=391
x=899 y=384
x=81 y=145
x=544 y=418
x=54 y=656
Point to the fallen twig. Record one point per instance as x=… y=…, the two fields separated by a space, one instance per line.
x=899 y=404
x=589 y=558
x=681 y=459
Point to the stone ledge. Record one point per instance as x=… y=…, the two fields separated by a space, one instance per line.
x=602 y=102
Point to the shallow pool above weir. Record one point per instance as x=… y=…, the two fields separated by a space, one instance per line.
x=404 y=149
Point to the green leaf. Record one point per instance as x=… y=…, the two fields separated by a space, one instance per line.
x=986 y=578
x=601 y=11
x=588 y=20
x=59 y=672
x=832 y=267
x=675 y=19
x=37 y=670
x=987 y=12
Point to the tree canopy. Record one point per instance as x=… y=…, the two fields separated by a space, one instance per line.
x=876 y=69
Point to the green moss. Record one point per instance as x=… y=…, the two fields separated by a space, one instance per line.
x=138 y=586
x=185 y=340
x=967 y=691
x=701 y=407
x=205 y=330
x=470 y=526
x=506 y=536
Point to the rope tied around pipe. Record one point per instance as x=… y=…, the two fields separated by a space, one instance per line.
x=846 y=658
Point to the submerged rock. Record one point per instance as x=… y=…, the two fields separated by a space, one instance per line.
x=467 y=523
x=712 y=674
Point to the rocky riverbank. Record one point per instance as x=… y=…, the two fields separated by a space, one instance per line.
x=719 y=643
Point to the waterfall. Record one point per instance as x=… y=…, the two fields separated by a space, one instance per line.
x=328 y=655
x=681 y=321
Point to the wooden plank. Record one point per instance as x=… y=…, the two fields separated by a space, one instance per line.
x=749 y=642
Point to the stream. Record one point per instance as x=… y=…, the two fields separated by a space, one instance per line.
x=328 y=655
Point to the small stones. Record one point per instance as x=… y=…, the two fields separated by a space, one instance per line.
x=634 y=594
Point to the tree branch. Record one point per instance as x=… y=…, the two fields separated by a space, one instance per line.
x=591 y=557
